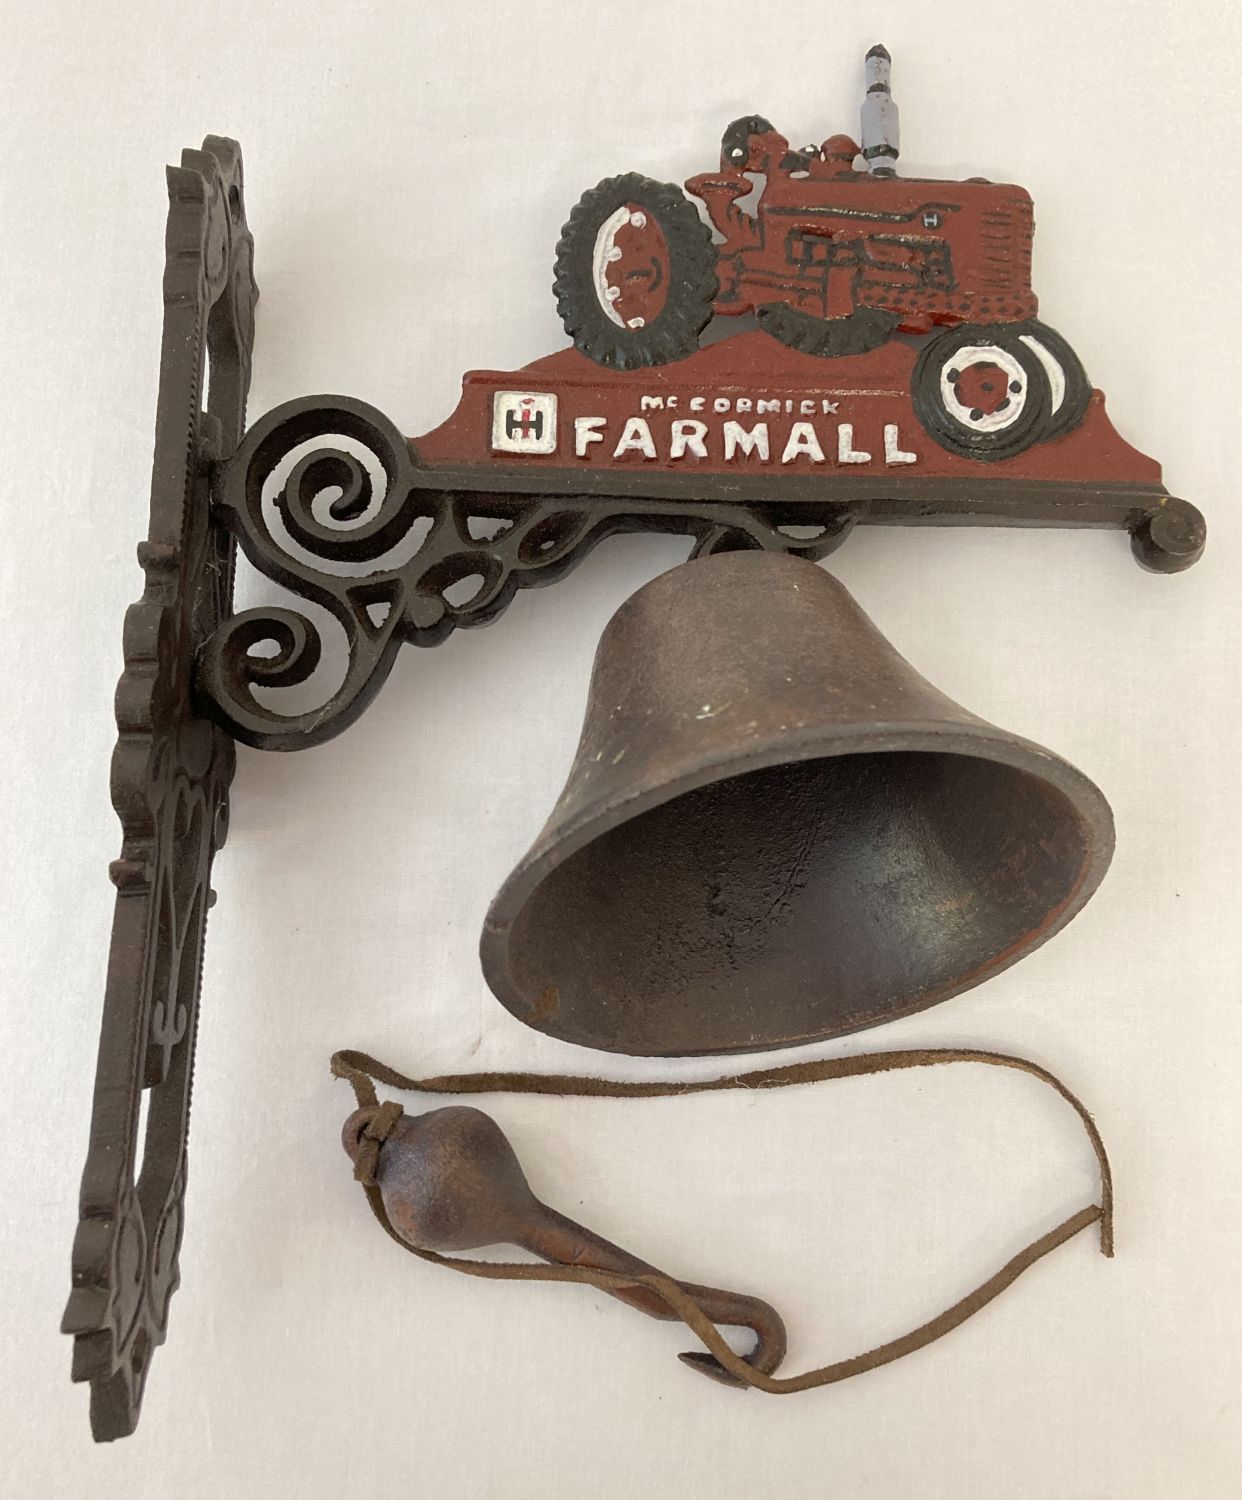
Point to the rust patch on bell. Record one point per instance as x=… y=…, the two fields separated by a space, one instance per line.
x=547 y=1002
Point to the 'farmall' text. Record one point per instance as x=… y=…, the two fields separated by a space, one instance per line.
x=657 y=436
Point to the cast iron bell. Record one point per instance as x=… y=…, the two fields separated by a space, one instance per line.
x=776 y=831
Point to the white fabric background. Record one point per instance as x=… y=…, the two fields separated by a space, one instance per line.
x=408 y=168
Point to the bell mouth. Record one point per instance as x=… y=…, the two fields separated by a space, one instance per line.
x=821 y=889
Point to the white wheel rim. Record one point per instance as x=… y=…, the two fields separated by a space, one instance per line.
x=1052 y=368
x=606 y=252
x=1015 y=375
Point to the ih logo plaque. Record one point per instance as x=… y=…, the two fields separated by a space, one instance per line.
x=523 y=422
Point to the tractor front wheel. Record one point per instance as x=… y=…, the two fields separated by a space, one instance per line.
x=635 y=273
x=982 y=392
x=1069 y=388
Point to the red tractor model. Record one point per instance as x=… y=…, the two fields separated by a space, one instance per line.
x=834 y=260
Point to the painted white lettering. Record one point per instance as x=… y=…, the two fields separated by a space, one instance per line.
x=651 y=403
x=893 y=452
x=743 y=403
x=768 y=406
x=846 y=451
x=721 y=404
x=697 y=403
x=829 y=408
x=802 y=440
x=687 y=437
x=587 y=430
x=806 y=407
x=636 y=438
x=737 y=439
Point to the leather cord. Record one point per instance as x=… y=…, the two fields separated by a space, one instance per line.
x=363 y=1072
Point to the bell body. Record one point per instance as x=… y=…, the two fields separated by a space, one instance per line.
x=775 y=830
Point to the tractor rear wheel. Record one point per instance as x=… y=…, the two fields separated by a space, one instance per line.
x=982 y=392
x=635 y=273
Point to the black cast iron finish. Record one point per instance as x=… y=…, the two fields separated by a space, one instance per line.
x=391 y=566
x=451 y=1181
x=170 y=778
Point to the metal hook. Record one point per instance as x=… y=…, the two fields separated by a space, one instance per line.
x=451 y=1181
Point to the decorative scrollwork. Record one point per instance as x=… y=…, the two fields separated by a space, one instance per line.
x=170 y=778
x=230 y=667
x=479 y=548
x=277 y=435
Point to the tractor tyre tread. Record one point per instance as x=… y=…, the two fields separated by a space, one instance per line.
x=674 y=333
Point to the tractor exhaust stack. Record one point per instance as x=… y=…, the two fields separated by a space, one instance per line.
x=881 y=132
